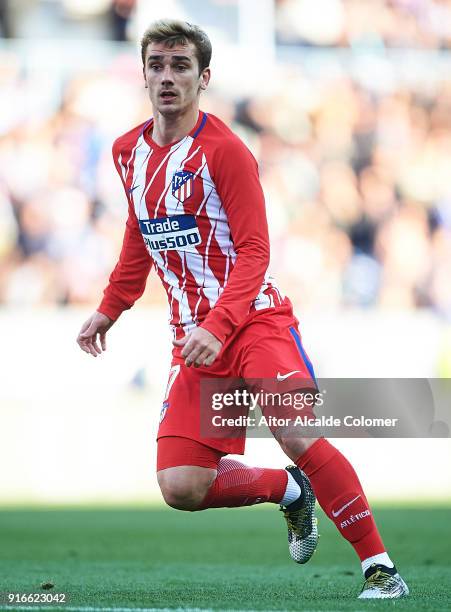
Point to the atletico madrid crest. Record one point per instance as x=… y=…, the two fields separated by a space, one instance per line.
x=182 y=185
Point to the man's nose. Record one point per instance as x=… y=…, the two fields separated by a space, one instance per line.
x=166 y=75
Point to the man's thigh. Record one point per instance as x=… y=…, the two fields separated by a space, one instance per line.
x=272 y=348
x=174 y=451
x=186 y=413
x=275 y=365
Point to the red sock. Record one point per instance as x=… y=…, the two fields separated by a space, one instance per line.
x=341 y=496
x=240 y=485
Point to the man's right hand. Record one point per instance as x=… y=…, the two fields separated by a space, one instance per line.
x=92 y=330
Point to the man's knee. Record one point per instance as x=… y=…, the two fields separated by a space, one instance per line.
x=180 y=496
x=185 y=487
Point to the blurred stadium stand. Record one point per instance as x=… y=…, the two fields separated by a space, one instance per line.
x=349 y=116
x=353 y=141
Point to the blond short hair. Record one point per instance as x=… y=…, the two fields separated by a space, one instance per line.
x=173 y=32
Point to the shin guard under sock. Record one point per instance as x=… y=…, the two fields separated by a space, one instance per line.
x=341 y=496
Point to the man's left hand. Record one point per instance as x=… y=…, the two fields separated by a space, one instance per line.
x=200 y=347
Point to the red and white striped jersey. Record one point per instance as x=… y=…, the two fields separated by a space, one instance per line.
x=197 y=214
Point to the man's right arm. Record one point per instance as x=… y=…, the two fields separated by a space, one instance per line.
x=128 y=279
x=126 y=283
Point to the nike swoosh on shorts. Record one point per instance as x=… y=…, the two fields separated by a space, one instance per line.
x=284 y=376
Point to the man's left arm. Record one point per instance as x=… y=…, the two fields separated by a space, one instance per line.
x=238 y=186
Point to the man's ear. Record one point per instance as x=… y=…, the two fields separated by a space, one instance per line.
x=144 y=76
x=205 y=78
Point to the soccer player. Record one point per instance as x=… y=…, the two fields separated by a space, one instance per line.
x=197 y=216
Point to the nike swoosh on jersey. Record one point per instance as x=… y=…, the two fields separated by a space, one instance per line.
x=340 y=510
x=130 y=189
x=284 y=376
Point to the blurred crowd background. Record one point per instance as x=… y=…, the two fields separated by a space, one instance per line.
x=350 y=123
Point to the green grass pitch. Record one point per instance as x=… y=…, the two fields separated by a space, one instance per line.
x=231 y=559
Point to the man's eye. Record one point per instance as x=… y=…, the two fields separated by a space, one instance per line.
x=181 y=67
x=154 y=67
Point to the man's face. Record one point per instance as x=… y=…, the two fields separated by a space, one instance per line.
x=172 y=77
